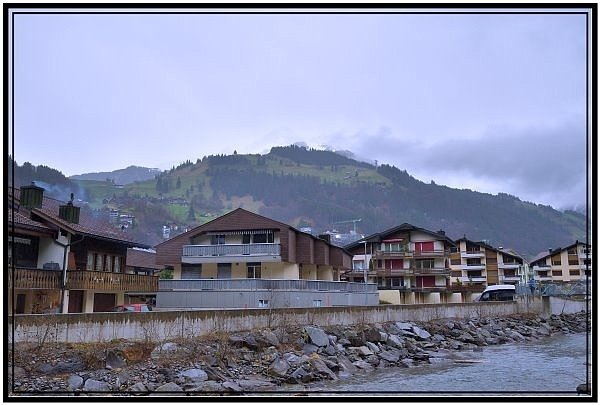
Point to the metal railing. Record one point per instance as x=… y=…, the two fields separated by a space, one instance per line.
x=264 y=284
x=246 y=249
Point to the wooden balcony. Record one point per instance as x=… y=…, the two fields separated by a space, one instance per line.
x=34 y=279
x=105 y=281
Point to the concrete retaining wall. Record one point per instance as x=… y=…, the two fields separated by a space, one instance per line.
x=158 y=325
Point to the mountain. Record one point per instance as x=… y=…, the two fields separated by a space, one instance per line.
x=128 y=175
x=323 y=190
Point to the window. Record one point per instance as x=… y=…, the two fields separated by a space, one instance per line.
x=263 y=237
x=556 y=261
x=424 y=246
x=117 y=264
x=246 y=239
x=574 y=273
x=573 y=262
x=23 y=251
x=473 y=262
x=253 y=270
x=453 y=249
x=396 y=282
x=556 y=273
x=263 y=303
x=425 y=264
x=98 y=262
x=217 y=239
x=572 y=251
x=317 y=303
x=455 y=262
x=108 y=263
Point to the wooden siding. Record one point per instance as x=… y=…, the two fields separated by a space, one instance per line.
x=491 y=267
x=339 y=259
x=321 y=254
x=304 y=249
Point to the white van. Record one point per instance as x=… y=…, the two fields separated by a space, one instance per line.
x=500 y=292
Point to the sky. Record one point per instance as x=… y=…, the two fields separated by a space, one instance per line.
x=490 y=102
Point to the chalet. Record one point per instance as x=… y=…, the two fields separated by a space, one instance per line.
x=406 y=258
x=477 y=265
x=63 y=259
x=246 y=260
x=568 y=264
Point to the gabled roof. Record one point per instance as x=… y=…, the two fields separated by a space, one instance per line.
x=142 y=258
x=88 y=225
x=379 y=236
x=545 y=254
x=508 y=252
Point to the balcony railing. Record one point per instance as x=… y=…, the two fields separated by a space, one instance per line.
x=541 y=267
x=479 y=266
x=105 y=281
x=508 y=265
x=246 y=249
x=257 y=284
x=429 y=289
x=34 y=279
x=476 y=288
x=392 y=253
x=472 y=253
x=430 y=253
x=431 y=271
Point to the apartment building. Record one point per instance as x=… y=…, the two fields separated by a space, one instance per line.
x=245 y=260
x=404 y=258
x=568 y=264
x=63 y=259
x=476 y=265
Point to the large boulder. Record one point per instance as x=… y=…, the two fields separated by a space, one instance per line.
x=74 y=382
x=421 y=334
x=95 y=385
x=278 y=368
x=194 y=374
x=169 y=387
x=390 y=356
x=317 y=336
x=395 y=341
x=114 y=359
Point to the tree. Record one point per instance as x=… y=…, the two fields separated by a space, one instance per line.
x=178 y=184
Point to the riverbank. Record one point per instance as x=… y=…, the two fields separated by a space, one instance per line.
x=263 y=360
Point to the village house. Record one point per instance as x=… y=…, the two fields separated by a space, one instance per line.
x=409 y=264
x=245 y=260
x=568 y=264
x=476 y=265
x=63 y=259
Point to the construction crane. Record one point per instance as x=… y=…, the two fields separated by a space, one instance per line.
x=354 y=221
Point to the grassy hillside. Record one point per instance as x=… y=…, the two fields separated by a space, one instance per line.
x=318 y=188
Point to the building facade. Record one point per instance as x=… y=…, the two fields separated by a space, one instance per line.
x=237 y=252
x=476 y=265
x=62 y=259
x=404 y=258
x=562 y=265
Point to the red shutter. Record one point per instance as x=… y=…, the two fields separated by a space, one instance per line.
x=427 y=246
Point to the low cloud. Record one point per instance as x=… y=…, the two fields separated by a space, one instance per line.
x=542 y=165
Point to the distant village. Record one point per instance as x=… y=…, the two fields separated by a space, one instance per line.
x=63 y=260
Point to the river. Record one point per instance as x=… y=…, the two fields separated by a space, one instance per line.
x=551 y=366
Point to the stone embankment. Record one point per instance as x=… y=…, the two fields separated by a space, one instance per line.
x=265 y=360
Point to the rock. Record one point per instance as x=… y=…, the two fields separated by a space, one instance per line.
x=466 y=337
x=373 y=347
x=317 y=336
x=138 y=387
x=269 y=337
x=74 y=382
x=194 y=374
x=395 y=341
x=363 y=365
x=364 y=351
x=346 y=365
x=309 y=349
x=344 y=342
x=407 y=362
x=255 y=383
x=205 y=386
x=329 y=350
x=46 y=368
x=300 y=375
x=372 y=334
x=231 y=386
x=404 y=326
x=278 y=368
x=322 y=368
x=169 y=387
x=215 y=374
x=383 y=337
x=373 y=360
x=95 y=385
x=421 y=333
x=291 y=358
x=333 y=339
x=114 y=360
x=389 y=356
x=166 y=349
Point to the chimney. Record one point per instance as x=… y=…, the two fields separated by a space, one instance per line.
x=69 y=212
x=441 y=232
x=31 y=196
x=325 y=237
x=549 y=250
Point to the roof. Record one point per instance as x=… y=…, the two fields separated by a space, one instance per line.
x=142 y=258
x=547 y=253
x=89 y=224
x=509 y=252
x=237 y=225
x=378 y=236
x=21 y=220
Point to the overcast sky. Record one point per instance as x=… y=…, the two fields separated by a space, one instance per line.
x=495 y=103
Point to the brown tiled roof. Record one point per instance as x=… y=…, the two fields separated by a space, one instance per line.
x=22 y=221
x=88 y=223
x=142 y=258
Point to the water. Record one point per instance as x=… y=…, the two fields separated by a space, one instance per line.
x=555 y=364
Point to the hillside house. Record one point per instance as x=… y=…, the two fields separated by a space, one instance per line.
x=246 y=260
x=62 y=259
x=407 y=259
x=568 y=264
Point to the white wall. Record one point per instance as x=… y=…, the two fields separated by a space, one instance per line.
x=51 y=252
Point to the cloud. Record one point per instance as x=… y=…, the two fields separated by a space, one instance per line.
x=540 y=164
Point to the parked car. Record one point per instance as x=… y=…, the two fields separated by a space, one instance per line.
x=500 y=292
x=132 y=308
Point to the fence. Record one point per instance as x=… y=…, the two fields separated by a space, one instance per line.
x=264 y=284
